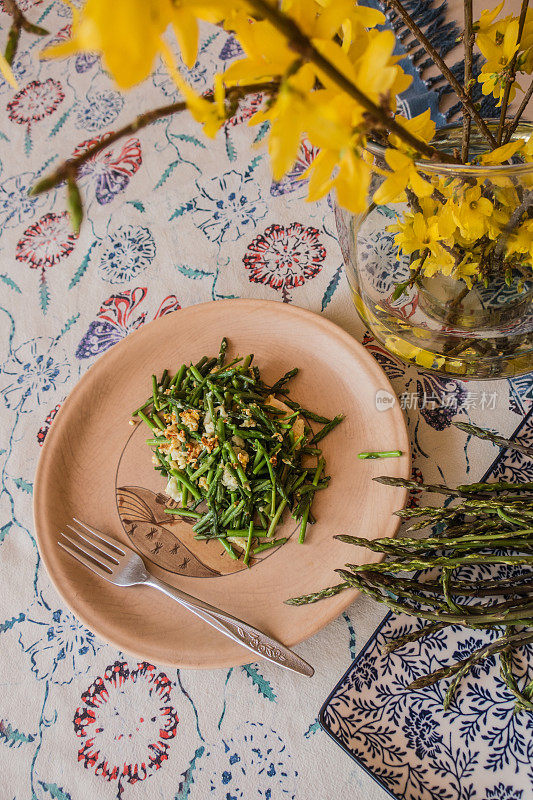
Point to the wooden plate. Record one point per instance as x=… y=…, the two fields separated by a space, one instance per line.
x=96 y=467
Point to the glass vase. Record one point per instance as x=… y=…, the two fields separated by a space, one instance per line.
x=441 y=323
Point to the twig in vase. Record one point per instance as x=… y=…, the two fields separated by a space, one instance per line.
x=466 y=101
x=468 y=39
x=511 y=71
x=521 y=108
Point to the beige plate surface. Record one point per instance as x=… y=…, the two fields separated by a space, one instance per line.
x=95 y=468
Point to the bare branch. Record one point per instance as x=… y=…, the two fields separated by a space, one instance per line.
x=70 y=168
x=511 y=71
x=20 y=23
x=468 y=39
x=521 y=108
x=467 y=103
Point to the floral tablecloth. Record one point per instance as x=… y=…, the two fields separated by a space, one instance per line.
x=172 y=219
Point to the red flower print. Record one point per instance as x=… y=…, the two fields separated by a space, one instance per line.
x=47 y=241
x=126 y=722
x=35 y=102
x=285 y=257
x=43 y=430
x=44 y=244
x=111 y=168
x=246 y=109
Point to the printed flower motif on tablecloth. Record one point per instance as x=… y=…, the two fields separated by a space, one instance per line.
x=116 y=319
x=16 y=206
x=440 y=400
x=255 y=756
x=99 y=110
x=285 y=257
x=34 y=102
x=62 y=35
x=376 y=254
x=85 y=61
x=44 y=244
x=393 y=367
x=421 y=732
x=111 y=169
x=502 y=792
x=126 y=253
x=22 y=66
x=228 y=206
x=366 y=674
x=34 y=370
x=198 y=76
x=59 y=646
x=231 y=49
x=466 y=648
x=43 y=430
x=24 y=5
x=246 y=109
x=293 y=179
x=126 y=723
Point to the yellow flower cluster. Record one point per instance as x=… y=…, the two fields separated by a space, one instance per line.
x=131 y=33
x=456 y=227
x=497 y=40
x=328 y=73
x=344 y=34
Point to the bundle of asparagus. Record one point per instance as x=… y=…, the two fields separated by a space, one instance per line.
x=482 y=524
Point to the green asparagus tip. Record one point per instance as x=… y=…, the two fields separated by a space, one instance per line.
x=381 y=454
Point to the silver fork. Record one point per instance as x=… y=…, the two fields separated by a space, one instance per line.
x=122 y=566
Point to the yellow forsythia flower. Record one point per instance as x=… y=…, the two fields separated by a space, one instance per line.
x=472 y=212
x=128 y=33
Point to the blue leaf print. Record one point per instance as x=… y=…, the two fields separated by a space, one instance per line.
x=55 y=791
x=331 y=288
x=313 y=728
x=252 y=165
x=188 y=776
x=44 y=295
x=178 y=212
x=262 y=132
x=46 y=164
x=138 y=205
x=67 y=326
x=12 y=737
x=192 y=272
x=352 y=645
x=387 y=212
x=23 y=485
x=231 y=150
x=166 y=174
x=9 y=623
x=263 y=686
x=27 y=142
x=82 y=269
x=187 y=137
x=12 y=285
x=61 y=121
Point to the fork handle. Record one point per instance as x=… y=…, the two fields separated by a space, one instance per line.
x=241 y=632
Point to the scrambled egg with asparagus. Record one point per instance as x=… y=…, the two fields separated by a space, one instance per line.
x=236 y=457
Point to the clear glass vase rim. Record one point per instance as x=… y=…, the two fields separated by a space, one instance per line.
x=474 y=170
